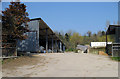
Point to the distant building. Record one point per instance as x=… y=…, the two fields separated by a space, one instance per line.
x=82 y=49
x=99 y=44
x=115 y=47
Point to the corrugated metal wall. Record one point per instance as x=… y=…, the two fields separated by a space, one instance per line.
x=31 y=44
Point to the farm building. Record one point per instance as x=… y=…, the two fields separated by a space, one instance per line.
x=115 y=47
x=40 y=38
x=99 y=44
x=82 y=49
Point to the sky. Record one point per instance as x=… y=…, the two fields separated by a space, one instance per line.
x=77 y=16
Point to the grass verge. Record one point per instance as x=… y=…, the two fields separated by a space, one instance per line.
x=116 y=58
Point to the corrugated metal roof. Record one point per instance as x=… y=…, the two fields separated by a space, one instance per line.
x=111 y=29
x=42 y=30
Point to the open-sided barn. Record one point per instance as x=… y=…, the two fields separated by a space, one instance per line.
x=41 y=38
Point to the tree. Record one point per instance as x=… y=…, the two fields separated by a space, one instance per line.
x=61 y=36
x=114 y=22
x=103 y=33
x=67 y=37
x=94 y=37
x=99 y=33
x=13 y=20
x=89 y=33
x=118 y=22
x=76 y=39
x=70 y=32
x=107 y=24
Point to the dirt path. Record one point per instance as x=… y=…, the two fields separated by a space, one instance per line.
x=65 y=65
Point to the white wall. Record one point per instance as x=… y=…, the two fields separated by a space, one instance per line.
x=99 y=44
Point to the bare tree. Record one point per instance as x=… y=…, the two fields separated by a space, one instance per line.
x=89 y=33
x=114 y=22
x=107 y=24
x=118 y=22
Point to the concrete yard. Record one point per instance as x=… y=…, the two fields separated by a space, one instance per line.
x=62 y=65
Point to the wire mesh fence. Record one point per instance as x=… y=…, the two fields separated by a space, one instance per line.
x=116 y=50
x=8 y=48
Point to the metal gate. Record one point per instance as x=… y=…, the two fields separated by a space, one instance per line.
x=116 y=50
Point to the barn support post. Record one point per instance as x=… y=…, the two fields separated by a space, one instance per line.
x=56 y=45
x=63 y=48
x=46 y=40
x=60 y=46
x=52 y=44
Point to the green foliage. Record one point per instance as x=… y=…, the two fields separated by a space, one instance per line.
x=76 y=39
x=101 y=39
x=67 y=37
x=111 y=38
x=72 y=39
x=2 y=62
x=115 y=58
x=89 y=33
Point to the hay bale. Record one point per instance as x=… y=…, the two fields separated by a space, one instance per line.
x=102 y=53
